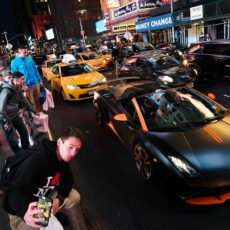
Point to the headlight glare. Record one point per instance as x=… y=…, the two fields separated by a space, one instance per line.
x=182 y=166
x=72 y=87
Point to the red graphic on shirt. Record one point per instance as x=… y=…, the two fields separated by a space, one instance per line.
x=55 y=179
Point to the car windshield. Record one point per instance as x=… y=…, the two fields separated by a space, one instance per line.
x=178 y=109
x=52 y=63
x=90 y=56
x=76 y=69
x=164 y=61
x=106 y=52
x=143 y=46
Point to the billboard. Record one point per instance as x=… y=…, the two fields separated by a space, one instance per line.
x=100 y=26
x=50 y=34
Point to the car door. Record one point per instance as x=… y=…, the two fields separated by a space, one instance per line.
x=211 y=55
x=56 y=79
x=127 y=130
x=223 y=62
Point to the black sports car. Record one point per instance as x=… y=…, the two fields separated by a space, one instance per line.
x=159 y=67
x=178 y=132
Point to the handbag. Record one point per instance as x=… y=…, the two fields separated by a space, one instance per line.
x=41 y=122
x=42 y=96
x=49 y=102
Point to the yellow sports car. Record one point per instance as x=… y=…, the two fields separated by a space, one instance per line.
x=47 y=67
x=107 y=54
x=76 y=81
x=93 y=59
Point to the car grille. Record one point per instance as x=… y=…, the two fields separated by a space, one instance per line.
x=85 y=95
x=89 y=85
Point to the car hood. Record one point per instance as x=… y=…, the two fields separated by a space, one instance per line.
x=207 y=149
x=83 y=78
x=93 y=62
x=180 y=73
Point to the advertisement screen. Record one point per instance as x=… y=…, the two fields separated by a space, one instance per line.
x=100 y=26
x=50 y=34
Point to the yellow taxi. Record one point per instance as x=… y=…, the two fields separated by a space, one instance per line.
x=76 y=81
x=107 y=54
x=47 y=67
x=92 y=58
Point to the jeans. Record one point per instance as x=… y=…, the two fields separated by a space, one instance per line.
x=22 y=131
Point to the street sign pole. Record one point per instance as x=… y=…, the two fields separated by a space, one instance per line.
x=173 y=35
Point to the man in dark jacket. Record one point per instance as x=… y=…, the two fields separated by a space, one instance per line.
x=11 y=101
x=43 y=172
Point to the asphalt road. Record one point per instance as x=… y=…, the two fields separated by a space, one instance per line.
x=114 y=197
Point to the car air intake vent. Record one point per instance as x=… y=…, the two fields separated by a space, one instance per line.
x=89 y=85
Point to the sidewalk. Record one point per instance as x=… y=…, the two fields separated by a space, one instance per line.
x=72 y=219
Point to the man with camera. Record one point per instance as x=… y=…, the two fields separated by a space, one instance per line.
x=45 y=173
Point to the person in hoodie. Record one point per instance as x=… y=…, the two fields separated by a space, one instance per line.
x=25 y=64
x=11 y=101
x=45 y=171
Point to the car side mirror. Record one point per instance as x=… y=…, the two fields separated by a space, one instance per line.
x=120 y=117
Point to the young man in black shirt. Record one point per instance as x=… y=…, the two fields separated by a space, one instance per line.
x=46 y=170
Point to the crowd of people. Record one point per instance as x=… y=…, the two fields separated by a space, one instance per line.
x=45 y=172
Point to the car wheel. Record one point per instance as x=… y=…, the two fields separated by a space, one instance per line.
x=99 y=115
x=142 y=161
x=63 y=95
x=196 y=70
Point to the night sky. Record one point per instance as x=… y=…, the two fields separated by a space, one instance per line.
x=7 y=20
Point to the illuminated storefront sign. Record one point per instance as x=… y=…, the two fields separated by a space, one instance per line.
x=196 y=12
x=132 y=7
x=152 y=3
x=155 y=23
x=124 y=26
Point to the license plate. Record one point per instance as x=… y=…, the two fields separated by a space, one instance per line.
x=91 y=92
x=190 y=85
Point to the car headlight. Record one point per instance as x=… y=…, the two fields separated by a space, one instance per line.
x=165 y=79
x=183 y=167
x=71 y=87
x=103 y=80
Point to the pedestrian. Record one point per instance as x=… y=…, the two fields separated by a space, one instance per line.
x=208 y=37
x=25 y=64
x=11 y=101
x=45 y=171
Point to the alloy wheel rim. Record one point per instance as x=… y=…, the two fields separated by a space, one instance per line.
x=142 y=162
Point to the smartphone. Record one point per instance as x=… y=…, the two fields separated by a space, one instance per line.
x=44 y=203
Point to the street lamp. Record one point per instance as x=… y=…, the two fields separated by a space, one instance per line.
x=82 y=32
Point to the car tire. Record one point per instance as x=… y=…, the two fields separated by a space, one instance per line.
x=99 y=115
x=63 y=95
x=196 y=69
x=143 y=161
